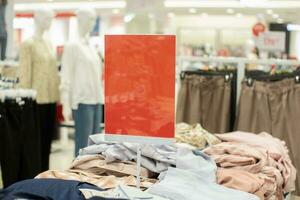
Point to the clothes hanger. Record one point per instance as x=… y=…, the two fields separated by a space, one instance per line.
x=227 y=75
x=272 y=77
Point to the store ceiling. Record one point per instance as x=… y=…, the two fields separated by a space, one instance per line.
x=271 y=10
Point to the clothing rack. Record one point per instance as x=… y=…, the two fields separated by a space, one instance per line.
x=240 y=62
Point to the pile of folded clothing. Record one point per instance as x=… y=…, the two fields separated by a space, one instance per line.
x=239 y=165
x=168 y=172
x=258 y=164
x=95 y=170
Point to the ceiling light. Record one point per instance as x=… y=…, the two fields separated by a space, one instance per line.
x=269 y=11
x=50 y=0
x=171 y=15
x=129 y=17
x=192 y=10
x=293 y=27
x=253 y=3
x=204 y=15
x=232 y=4
x=275 y=16
x=70 y=5
x=230 y=11
x=239 y=15
x=201 y=4
x=116 y=11
x=280 y=21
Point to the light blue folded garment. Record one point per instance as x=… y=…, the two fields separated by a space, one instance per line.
x=194 y=179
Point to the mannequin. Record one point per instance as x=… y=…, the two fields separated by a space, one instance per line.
x=250 y=53
x=81 y=86
x=38 y=71
x=249 y=49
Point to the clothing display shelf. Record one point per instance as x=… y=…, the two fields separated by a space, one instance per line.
x=8 y=90
x=9 y=63
x=8 y=83
x=240 y=63
x=17 y=94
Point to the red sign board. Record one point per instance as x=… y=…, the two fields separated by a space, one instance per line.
x=139 y=88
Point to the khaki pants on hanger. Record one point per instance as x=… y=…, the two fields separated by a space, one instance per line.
x=205 y=100
x=273 y=107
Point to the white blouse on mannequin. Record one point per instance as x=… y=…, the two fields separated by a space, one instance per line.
x=81 y=75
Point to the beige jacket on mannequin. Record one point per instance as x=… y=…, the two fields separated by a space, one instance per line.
x=38 y=69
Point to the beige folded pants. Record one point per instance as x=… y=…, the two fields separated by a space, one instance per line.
x=273 y=107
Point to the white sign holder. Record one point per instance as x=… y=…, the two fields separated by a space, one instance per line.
x=139 y=140
x=138 y=167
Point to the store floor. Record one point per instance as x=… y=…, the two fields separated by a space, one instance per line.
x=62 y=154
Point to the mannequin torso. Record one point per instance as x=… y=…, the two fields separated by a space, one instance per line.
x=81 y=69
x=38 y=68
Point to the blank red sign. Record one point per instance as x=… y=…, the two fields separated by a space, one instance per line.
x=140 y=85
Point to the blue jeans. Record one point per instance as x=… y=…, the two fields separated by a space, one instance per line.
x=87 y=118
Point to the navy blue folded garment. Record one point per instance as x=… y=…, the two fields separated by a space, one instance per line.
x=46 y=189
x=103 y=198
x=21 y=195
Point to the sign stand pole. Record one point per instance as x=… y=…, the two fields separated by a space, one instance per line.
x=138 y=167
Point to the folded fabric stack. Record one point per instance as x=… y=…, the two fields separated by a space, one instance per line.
x=244 y=166
x=94 y=169
x=183 y=173
x=192 y=172
x=156 y=158
x=195 y=135
x=258 y=164
x=194 y=178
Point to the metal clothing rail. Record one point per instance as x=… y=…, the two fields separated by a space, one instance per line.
x=241 y=64
x=238 y=59
x=9 y=63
